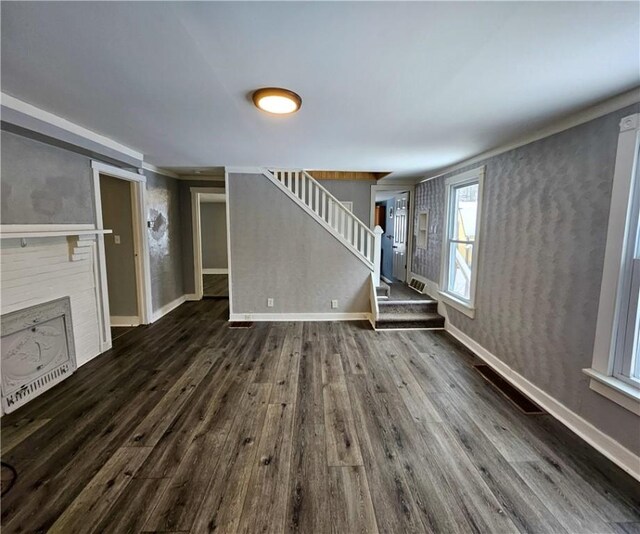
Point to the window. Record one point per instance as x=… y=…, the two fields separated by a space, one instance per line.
x=459 y=269
x=423 y=230
x=615 y=370
x=625 y=365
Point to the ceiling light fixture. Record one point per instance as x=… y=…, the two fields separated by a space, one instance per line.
x=277 y=100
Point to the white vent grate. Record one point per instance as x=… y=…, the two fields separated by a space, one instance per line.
x=37 y=351
x=33 y=389
x=417 y=285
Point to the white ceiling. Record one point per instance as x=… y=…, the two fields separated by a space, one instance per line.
x=403 y=87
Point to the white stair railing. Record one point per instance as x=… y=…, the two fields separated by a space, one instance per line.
x=351 y=230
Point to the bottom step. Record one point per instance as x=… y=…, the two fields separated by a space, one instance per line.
x=430 y=324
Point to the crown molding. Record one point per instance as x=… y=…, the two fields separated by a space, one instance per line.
x=12 y=104
x=598 y=110
x=158 y=170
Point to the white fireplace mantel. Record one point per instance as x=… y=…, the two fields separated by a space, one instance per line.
x=24 y=231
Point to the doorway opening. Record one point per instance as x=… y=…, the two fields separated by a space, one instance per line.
x=120 y=256
x=392 y=210
x=211 y=265
x=392 y=215
x=125 y=285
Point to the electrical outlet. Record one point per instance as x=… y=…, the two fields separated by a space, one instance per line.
x=334 y=304
x=269 y=303
x=116 y=239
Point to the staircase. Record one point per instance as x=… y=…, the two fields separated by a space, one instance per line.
x=365 y=244
x=331 y=213
x=409 y=314
x=398 y=308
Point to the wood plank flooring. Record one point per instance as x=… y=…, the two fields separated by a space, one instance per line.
x=215 y=285
x=189 y=426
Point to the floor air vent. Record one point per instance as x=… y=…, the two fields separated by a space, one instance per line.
x=417 y=285
x=522 y=402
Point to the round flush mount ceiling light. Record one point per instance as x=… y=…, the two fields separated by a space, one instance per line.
x=277 y=100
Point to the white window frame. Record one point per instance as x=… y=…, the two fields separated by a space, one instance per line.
x=467 y=307
x=609 y=364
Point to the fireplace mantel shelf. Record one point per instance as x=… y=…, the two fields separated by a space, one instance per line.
x=55 y=233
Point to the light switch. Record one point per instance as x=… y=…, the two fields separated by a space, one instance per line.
x=269 y=303
x=334 y=304
x=116 y=239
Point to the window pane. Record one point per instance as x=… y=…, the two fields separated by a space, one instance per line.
x=460 y=263
x=465 y=209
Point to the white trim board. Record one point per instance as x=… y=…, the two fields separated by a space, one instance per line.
x=603 y=108
x=298 y=317
x=606 y=445
x=124 y=320
x=15 y=104
x=230 y=273
x=215 y=270
x=167 y=308
x=117 y=172
x=27 y=228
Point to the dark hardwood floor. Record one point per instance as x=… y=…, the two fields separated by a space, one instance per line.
x=189 y=426
x=215 y=285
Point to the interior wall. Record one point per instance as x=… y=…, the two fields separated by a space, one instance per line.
x=44 y=184
x=165 y=239
x=541 y=253
x=117 y=215
x=213 y=225
x=278 y=251
x=356 y=191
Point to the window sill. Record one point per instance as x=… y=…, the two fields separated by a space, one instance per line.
x=459 y=305
x=615 y=390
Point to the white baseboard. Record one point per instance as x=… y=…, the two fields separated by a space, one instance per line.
x=124 y=320
x=215 y=271
x=613 y=450
x=191 y=296
x=261 y=317
x=157 y=314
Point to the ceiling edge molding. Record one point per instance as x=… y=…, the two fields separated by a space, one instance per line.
x=158 y=170
x=575 y=119
x=201 y=177
x=10 y=103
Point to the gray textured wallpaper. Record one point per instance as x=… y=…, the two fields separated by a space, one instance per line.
x=545 y=213
x=165 y=239
x=44 y=184
x=278 y=251
x=356 y=191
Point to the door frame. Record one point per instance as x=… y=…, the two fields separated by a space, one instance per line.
x=196 y=194
x=140 y=245
x=400 y=188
